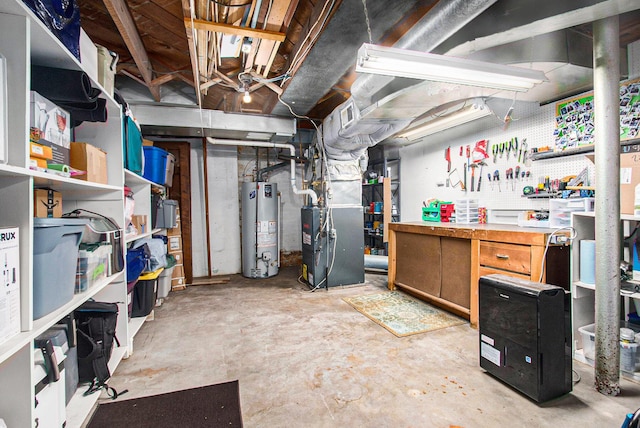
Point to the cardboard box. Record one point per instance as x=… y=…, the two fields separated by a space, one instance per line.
x=178 y=283
x=178 y=272
x=39 y=151
x=47 y=203
x=88 y=158
x=174 y=243
x=146 y=142
x=178 y=256
x=37 y=163
x=629 y=176
x=141 y=223
x=175 y=231
x=52 y=122
x=10 y=295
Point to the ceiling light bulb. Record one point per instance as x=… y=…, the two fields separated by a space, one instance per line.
x=246 y=46
x=247 y=97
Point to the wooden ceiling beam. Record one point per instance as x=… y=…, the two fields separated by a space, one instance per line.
x=200 y=24
x=126 y=26
x=186 y=10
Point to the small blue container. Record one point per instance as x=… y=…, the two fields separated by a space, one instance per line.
x=155 y=164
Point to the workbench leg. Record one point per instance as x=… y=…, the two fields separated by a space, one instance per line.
x=475 y=277
x=391 y=263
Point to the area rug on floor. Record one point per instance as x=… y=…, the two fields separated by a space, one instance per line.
x=207 y=406
x=401 y=314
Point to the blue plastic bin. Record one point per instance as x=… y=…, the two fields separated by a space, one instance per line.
x=155 y=164
x=55 y=258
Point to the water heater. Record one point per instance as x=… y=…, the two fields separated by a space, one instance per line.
x=260 y=250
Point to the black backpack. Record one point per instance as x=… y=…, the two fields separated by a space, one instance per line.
x=96 y=331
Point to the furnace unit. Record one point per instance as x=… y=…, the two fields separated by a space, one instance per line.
x=333 y=247
x=525 y=335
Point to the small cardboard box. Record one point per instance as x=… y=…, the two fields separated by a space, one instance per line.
x=91 y=159
x=47 y=203
x=37 y=163
x=10 y=296
x=629 y=176
x=174 y=243
x=141 y=223
x=146 y=142
x=39 y=151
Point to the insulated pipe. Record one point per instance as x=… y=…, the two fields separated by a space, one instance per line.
x=292 y=150
x=442 y=21
x=606 y=83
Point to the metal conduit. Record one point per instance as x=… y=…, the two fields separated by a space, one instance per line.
x=606 y=80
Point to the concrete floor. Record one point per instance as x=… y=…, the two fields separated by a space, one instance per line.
x=310 y=360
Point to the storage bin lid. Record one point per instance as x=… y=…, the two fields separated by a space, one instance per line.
x=150 y=275
x=58 y=222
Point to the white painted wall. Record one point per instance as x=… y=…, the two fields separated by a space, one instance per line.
x=423 y=164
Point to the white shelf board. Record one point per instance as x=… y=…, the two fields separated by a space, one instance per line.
x=10 y=347
x=131 y=238
x=584 y=285
x=133 y=178
x=58 y=182
x=13 y=171
x=135 y=324
x=80 y=405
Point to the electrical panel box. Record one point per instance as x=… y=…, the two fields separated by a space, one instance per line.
x=525 y=335
x=333 y=247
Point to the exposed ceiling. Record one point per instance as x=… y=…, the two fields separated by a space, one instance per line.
x=163 y=44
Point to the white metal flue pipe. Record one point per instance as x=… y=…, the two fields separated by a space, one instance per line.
x=290 y=147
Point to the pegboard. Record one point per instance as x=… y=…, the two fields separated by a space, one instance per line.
x=424 y=168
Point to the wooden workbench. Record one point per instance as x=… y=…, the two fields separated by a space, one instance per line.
x=442 y=262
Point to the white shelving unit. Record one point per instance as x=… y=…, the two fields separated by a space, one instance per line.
x=582 y=294
x=25 y=41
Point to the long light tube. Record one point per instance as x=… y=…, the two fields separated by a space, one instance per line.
x=464 y=115
x=420 y=65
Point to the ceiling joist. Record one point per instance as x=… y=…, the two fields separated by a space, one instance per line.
x=234 y=30
x=122 y=18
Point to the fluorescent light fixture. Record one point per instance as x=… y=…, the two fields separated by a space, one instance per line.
x=439 y=68
x=464 y=115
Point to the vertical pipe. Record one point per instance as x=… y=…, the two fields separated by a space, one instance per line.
x=606 y=80
x=206 y=203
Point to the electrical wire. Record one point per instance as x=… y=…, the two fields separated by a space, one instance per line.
x=546 y=247
x=575 y=377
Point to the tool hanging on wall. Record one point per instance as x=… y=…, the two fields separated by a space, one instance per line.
x=495 y=148
x=496 y=178
x=465 y=178
x=468 y=156
x=447 y=157
x=473 y=167
x=482 y=165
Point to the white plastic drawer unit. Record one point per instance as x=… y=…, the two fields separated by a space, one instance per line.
x=560 y=210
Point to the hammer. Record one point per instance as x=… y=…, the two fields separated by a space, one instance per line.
x=473 y=167
x=482 y=164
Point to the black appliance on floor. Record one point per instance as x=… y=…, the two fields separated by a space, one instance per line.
x=525 y=335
